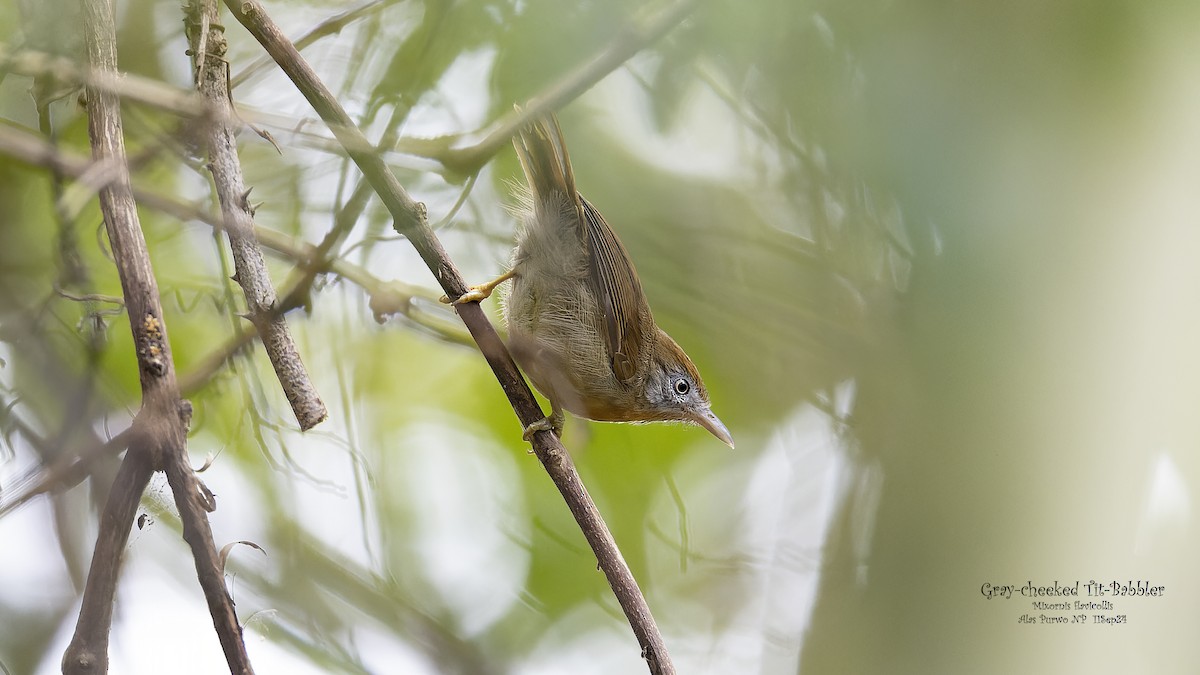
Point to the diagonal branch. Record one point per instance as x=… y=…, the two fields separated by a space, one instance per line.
x=410 y=219
x=331 y=26
x=161 y=424
x=206 y=38
x=67 y=470
x=644 y=31
x=184 y=103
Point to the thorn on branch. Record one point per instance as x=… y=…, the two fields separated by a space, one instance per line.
x=267 y=136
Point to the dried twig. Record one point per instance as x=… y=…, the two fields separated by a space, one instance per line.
x=644 y=31
x=184 y=103
x=67 y=471
x=331 y=26
x=206 y=37
x=160 y=434
x=418 y=305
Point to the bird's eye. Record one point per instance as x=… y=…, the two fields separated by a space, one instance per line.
x=682 y=386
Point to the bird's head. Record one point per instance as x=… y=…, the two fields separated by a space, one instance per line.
x=674 y=391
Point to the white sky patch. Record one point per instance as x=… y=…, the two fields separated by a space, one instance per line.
x=704 y=142
x=752 y=531
x=461 y=103
x=473 y=520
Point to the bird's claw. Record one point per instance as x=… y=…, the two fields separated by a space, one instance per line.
x=554 y=423
x=481 y=292
x=473 y=294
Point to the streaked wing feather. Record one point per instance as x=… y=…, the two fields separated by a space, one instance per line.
x=618 y=294
x=624 y=312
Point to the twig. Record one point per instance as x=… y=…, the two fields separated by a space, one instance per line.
x=387 y=297
x=127 y=85
x=376 y=596
x=449 y=150
x=643 y=32
x=331 y=26
x=160 y=435
x=88 y=651
x=131 y=87
x=206 y=36
x=91 y=297
x=410 y=219
x=68 y=470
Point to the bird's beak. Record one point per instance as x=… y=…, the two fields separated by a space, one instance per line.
x=708 y=420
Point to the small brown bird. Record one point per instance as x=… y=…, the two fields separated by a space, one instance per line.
x=578 y=321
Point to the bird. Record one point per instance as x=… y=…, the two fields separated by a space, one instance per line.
x=579 y=324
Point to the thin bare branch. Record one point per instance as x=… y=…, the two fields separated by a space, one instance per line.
x=161 y=425
x=644 y=31
x=410 y=220
x=160 y=95
x=88 y=651
x=67 y=471
x=417 y=304
x=331 y=26
x=127 y=86
x=462 y=153
x=206 y=36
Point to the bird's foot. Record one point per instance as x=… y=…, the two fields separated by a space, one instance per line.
x=554 y=422
x=481 y=292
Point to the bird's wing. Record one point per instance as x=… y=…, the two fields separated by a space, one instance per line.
x=625 y=315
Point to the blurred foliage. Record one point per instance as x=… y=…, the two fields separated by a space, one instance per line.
x=935 y=260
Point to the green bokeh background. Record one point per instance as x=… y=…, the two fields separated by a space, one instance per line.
x=938 y=262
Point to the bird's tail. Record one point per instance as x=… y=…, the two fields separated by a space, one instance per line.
x=543 y=154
